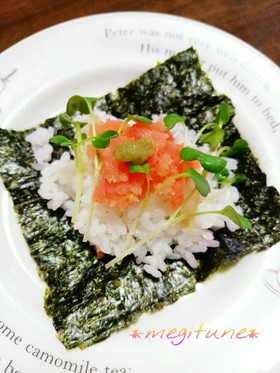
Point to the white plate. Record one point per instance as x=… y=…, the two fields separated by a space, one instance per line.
x=91 y=56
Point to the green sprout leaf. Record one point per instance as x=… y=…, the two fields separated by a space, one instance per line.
x=213 y=164
x=62 y=141
x=239 y=146
x=190 y=154
x=223 y=115
x=102 y=140
x=222 y=176
x=210 y=163
x=238 y=178
x=140 y=118
x=214 y=137
x=79 y=104
x=238 y=219
x=200 y=182
x=137 y=168
x=65 y=119
x=171 y=119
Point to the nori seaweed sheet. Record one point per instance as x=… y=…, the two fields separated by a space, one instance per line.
x=86 y=301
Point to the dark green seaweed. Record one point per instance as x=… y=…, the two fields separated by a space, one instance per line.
x=178 y=85
x=86 y=301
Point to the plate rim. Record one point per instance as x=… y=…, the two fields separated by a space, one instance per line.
x=204 y=25
x=149 y=14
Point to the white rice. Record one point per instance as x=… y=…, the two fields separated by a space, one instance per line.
x=39 y=141
x=107 y=228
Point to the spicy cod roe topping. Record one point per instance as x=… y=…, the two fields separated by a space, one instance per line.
x=136 y=144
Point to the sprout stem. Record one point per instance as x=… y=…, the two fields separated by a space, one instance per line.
x=200 y=132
